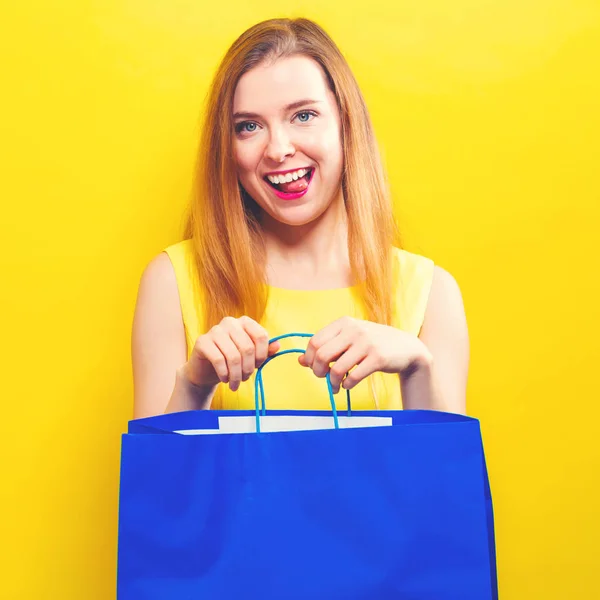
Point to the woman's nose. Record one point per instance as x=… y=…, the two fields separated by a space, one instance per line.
x=280 y=147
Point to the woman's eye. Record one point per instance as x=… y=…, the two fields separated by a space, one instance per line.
x=305 y=116
x=246 y=127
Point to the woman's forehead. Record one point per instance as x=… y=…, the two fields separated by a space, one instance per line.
x=271 y=87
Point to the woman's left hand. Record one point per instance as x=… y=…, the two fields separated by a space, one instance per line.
x=361 y=348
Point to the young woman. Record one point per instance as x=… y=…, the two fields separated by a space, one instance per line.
x=291 y=230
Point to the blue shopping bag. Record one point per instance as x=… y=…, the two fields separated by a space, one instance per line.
x=296 y=505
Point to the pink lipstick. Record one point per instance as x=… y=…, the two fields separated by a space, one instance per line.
x=298 y=187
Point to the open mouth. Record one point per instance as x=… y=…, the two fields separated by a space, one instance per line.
x=291 y=185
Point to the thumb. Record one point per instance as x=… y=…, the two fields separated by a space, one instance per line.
x=274 y=348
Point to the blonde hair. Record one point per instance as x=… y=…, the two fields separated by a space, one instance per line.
x=229 y=252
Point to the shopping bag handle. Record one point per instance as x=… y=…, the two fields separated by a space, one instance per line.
x=259 y=390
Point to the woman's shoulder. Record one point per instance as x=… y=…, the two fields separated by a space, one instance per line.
x=166 y=297
x=166 y=267
x=421 y=271
x=414 y=275
x=412 y=266
x=422 y=286
x=169 y=273
x=180 y=251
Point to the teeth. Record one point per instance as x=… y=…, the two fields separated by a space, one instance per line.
x=287 y=177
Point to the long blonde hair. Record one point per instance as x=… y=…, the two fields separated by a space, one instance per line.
x=229 y=251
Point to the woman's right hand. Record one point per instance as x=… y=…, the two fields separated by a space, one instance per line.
x=229 y=353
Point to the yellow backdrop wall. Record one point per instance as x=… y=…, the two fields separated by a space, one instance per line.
x=488 y=115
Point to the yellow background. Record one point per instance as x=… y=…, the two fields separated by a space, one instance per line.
x=488 y=115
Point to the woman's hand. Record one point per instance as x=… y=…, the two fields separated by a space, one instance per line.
x=361 y=348
x=229 y=353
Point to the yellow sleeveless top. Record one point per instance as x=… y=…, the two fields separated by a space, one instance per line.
x=287 y=384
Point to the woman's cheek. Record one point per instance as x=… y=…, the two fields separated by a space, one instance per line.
x=328 y=141
x=244 y=152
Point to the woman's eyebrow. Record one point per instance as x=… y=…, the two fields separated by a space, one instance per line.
x=292 y=106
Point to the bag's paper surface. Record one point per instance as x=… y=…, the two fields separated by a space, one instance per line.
x=278 y=423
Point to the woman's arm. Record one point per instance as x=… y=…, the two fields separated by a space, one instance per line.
x=158 y=347
x=439 y=380
x=432 y=367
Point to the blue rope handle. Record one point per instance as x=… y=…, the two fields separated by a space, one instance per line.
x=288 y=335
x=259 y=389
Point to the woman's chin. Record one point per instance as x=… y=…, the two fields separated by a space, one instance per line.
x=297 y=216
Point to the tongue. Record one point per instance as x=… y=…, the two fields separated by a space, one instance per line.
x=293 y=186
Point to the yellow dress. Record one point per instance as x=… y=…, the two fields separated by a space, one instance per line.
x=287 y=384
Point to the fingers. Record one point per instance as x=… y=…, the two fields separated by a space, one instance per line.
x=206 y=349
x=367 y=367
x=320 y=339
x=233 y=357
x=245 y=346
x=259 y=337
x=354 y=357
x=340 y=348
x=330 y=352
x=230 y=352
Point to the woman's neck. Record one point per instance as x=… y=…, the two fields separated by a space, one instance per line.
x=311 y=256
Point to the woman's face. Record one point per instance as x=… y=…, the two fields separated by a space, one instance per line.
x=287 y=141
